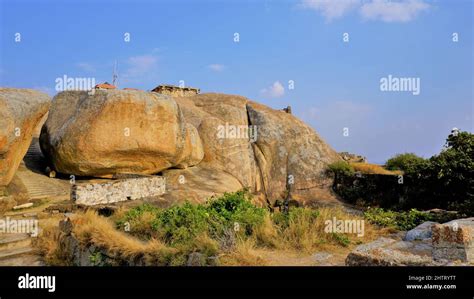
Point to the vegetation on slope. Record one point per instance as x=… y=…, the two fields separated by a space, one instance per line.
x=229 y=228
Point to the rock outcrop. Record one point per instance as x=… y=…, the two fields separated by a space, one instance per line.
x=236 y=142
x=195 y=184
x=451 y=243
x=20 y=112
x=421 y=232
x=268 y=151
x=288 y=151
x=112 y=131
x=454 y=240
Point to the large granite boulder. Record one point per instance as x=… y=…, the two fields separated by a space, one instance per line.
x=288 y=150
x=450 y=243
x=391 y=252
x=196 y=184
x=454 y=240
x=114 y=132
x=236 y=142
x=214 y=115
x=421 y=232
x=263 y=148
x=20 y=112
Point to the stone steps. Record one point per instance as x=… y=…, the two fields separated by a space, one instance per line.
x=17 y=250
x=38 y=185
x=14 y=241
x=24 y=260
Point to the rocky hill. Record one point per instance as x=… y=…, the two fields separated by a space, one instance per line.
x=204 y=145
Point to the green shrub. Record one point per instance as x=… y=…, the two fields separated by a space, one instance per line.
x=341 y=168
x=341 y=239
x=408 y=163
x=181 y=224
x=234 y=208
x=404 y=220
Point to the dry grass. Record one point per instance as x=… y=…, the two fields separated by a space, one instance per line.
x=368 y=168
x=308 y=234
x=90 y=228
x=304 y=233
x=267 y=234
x=47 y=243
x=244 y=254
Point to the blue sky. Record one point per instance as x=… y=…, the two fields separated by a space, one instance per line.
x=336 y=83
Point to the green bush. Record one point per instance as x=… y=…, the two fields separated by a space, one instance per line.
x=408 y=163
x=341 y=239
x=404 y=220
x=234 y=208
x=444 y=181
x=181 y=224
x=341 y=168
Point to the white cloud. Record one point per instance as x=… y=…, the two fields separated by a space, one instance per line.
x=216 y=67
x=393 y=11
x=331 y=9
x=384 y=10
x=85 y=66
x=276 y=90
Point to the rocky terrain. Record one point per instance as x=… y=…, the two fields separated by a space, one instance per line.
x=20 y=112
x=429 y=244
x=124 y=147
x=116 y=132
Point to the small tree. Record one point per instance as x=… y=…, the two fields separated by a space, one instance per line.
x=409 y=163
x=451 y=172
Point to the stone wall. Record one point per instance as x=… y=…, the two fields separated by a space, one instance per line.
x=176 y=91
x=348 y=157
x=117 y=190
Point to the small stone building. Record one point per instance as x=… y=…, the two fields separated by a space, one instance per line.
x=348 y=157
x=176 y=91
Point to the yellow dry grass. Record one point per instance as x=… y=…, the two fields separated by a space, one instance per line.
x=304 y=234
x=368 y=168
x=90 y=228
x=309 y=235
x=245 y=253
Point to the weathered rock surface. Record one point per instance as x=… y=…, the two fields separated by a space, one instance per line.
x=237 y=143
x=210 y=113
x=20 y=112
x=421 y=232
x=454 y=240
x=196 y=184
x=451 y=243
x=287 y=148
x=279 y=148
x=390 y=252
x=114 y=131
